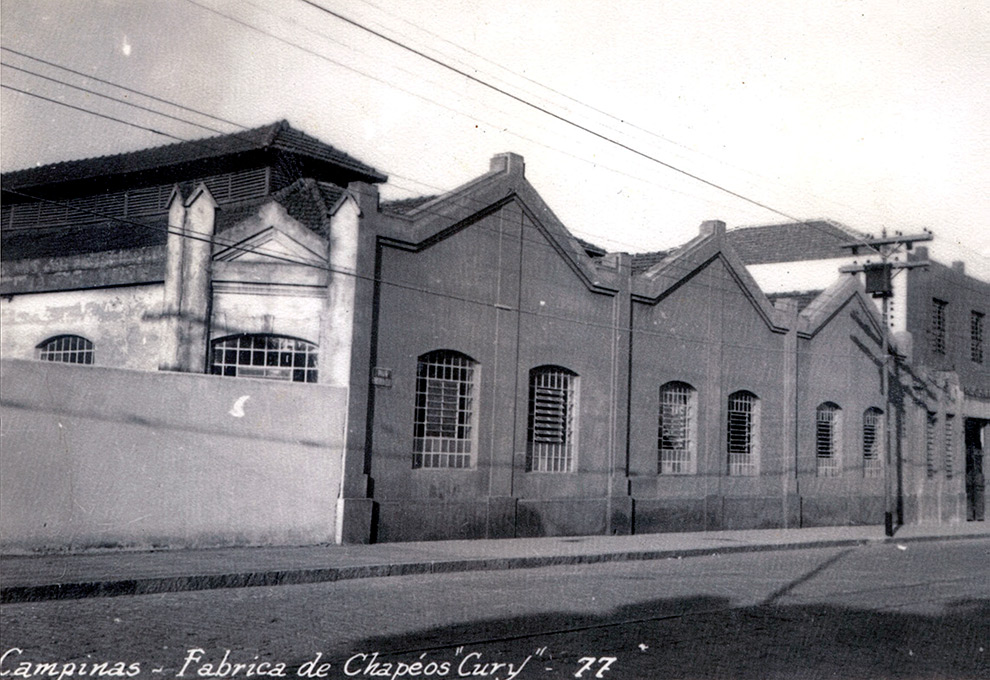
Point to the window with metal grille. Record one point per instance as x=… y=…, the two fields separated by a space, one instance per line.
x=873 y=434
x=937 y=335
x=743 y=433
x=950 y=421
x=552 y=419
x=931 y=423
x=69 y=349
x=272 y=357
x=676 y=440
x=828 y=420
x=976 y=337
x=443 y=421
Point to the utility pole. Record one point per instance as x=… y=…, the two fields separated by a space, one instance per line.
x=879 y=283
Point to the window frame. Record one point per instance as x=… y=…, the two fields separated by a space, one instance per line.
x=828 y=439
x=309 y=352
x=931 y=433
x=949 y=445
x=53 y=349
x=445 y=439
x=677 y=432
x=939 y=326
x=747 y=418
x=976 y=336
x=543 y=454
x=874 y=433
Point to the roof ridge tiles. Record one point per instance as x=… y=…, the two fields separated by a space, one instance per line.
x=279 y=136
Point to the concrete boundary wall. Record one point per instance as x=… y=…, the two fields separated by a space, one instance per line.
x=93 y=457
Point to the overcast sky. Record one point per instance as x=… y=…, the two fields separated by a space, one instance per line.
x=873 y=114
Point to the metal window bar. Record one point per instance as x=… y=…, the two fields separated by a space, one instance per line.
x=675 y=445
x=976 y=337
x=949 y=453
x=69 y=349
x=741 y=434
x=931 y=423
x=826 y=438
x=271 y=357
x=442 y=423
x=938 y=326
x=551 y=421
x=873 y=443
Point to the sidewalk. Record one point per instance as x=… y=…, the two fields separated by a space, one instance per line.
x=105 y=574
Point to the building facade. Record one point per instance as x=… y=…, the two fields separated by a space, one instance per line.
x=503 y=378
x=937 y=323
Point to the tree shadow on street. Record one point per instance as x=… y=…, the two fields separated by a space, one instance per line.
x=706 y=637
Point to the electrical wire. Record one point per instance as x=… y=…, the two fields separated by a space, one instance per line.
x=852 y=235
x=207 y=143
x=114 y=99
x=543 y=86
x=544 y=110
x=95 y=113
x=122 y=87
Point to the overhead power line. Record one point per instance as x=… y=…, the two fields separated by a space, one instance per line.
x=122 y=87
x=111 y=98
x=208 y=142
x=667 y=334
x=546 y=111
x=95 y=113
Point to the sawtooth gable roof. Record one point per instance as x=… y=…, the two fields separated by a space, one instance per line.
x=418 y=224
x=823 y=308
x=673 y=268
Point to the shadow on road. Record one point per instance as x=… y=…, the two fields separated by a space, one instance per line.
x=705 y=637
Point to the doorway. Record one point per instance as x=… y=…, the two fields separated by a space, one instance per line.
x=975 y=478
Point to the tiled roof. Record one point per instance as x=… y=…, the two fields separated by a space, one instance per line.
x=405 y=205
x=278 y=136
x=309 y=203
x=814 y=240
x=643 y=261
x=803 y=297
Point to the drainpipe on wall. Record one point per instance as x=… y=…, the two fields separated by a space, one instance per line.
x=790 y=478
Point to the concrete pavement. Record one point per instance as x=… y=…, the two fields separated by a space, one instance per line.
x=104 y=574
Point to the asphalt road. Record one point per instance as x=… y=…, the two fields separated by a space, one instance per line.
x=921 y=610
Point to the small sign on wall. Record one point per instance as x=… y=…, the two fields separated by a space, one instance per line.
x=381 y=377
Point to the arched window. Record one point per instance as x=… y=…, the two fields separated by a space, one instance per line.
x=444 y=417
x=873 y=437
x=677 y=431
x=273 y=357
x=828 y=421
x=743 y=430
x=552 y=419
x=69 y=349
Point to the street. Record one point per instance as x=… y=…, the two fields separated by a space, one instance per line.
x=915 y=610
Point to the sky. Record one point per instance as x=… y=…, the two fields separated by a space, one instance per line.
x=639 y=119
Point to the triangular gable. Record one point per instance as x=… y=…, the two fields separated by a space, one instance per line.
x=831 y=301
x=669 y=274
x=270 y=235
x=450 y=213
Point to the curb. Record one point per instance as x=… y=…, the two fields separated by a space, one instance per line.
x=175 y=584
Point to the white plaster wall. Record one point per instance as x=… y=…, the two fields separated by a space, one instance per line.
x=123 y=323
x=339 y=326
x=102 y=457
x=263 y=311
